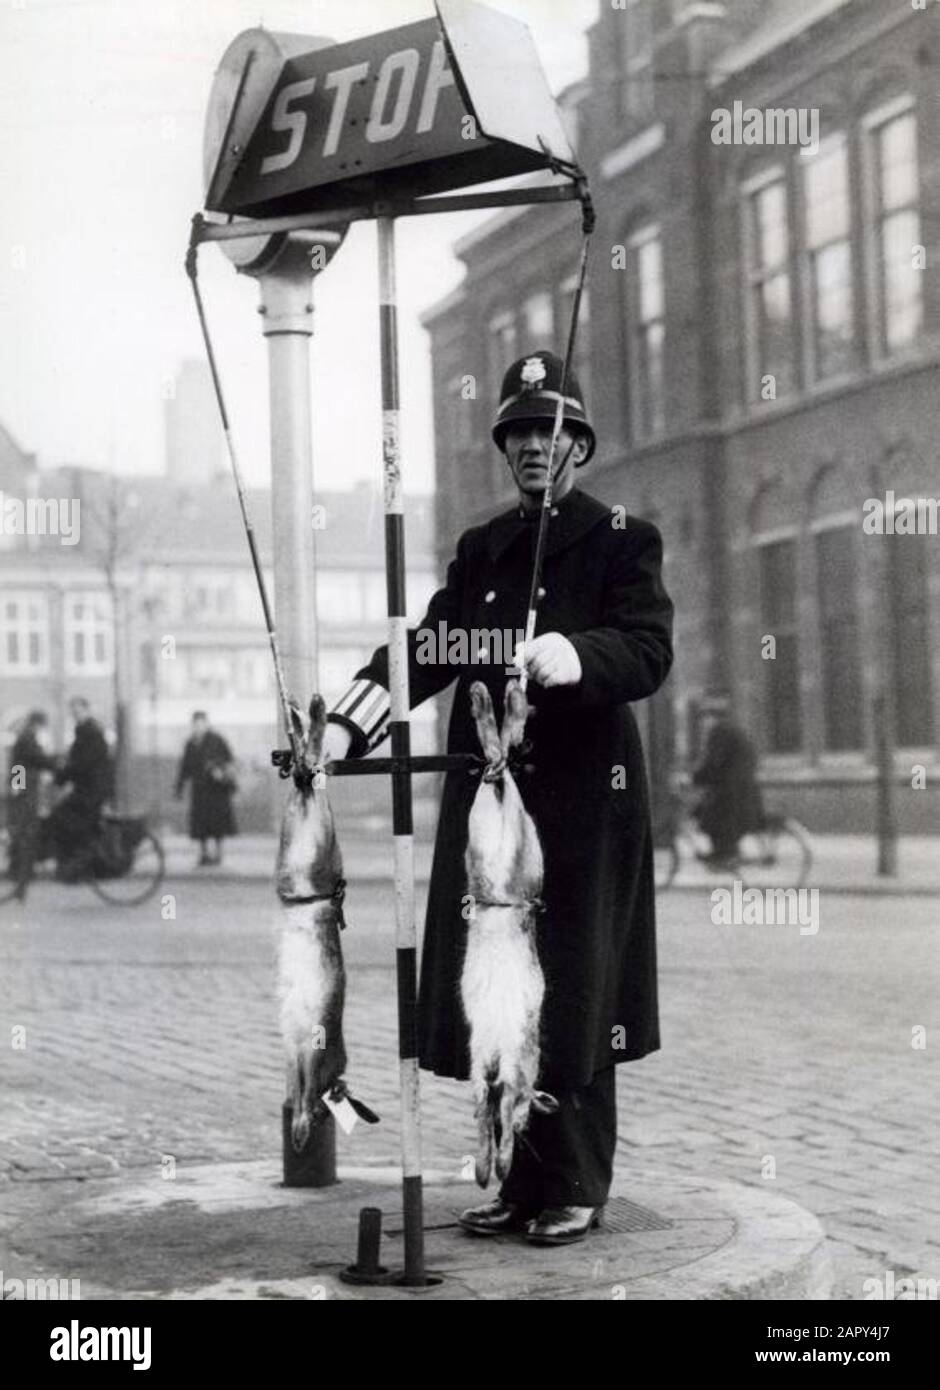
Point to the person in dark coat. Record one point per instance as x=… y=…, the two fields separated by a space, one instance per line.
x=28 y=760
x=207 y=764
x=731 y=804
x=89 y=772
x=605 y=624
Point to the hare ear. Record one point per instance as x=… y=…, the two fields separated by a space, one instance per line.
x=485 y=720
x=515 y=713
x=317 y=727
x=298 y=724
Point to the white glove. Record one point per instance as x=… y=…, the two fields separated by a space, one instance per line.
x=551 y=660
x=336 y=741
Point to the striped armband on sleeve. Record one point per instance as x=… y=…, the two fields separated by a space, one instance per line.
x=364 y=711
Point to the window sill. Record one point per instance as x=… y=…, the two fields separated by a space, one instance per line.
x=833 y=388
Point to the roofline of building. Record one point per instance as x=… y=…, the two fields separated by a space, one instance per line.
x=433 y=312
x=752 y=50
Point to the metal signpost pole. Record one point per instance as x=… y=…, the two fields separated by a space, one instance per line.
x=287 y=323
x=400 y=733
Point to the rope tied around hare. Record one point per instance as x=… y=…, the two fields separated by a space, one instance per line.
x=533 y=907
x=337 y=898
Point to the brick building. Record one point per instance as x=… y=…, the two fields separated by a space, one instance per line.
x=759 y=349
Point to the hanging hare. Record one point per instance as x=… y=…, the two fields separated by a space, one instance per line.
x=502 y=985
x=311 y=975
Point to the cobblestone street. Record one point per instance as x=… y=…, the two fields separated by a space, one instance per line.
x=782 y=1054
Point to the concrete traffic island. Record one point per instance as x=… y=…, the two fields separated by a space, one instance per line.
x=232 y=1231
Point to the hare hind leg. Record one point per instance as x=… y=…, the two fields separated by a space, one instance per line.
x=509 y=1125
x=486 y=1114
x=298 y=1079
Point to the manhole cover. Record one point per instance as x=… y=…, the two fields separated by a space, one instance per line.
x=620 y=1217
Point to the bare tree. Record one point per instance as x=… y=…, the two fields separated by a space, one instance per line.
x=117 y=530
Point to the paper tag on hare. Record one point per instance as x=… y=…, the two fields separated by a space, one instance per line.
x=342 y=1112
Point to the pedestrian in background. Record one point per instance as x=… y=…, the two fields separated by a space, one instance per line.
x=28 y=760
x=89 y=773
x=731 y=804
x=208 y=765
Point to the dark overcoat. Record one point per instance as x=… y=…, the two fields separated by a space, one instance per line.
x=89 y=767
x=29 y=754
x=206 y=765
x=587 y=793
x=731 y=803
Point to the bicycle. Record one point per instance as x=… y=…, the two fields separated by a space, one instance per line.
x=778 y=854
x=125 y=861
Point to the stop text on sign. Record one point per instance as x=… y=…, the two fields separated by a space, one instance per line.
x=402 y=98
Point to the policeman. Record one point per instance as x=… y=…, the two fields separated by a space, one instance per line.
x=604 y=640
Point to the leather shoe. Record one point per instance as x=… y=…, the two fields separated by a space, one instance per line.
x=563 y=1225
x=495 y=1217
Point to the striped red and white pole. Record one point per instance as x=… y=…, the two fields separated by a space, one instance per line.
x=400 y=733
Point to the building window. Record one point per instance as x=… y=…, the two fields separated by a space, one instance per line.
x=539 y=321
x=253 y=674
x=211 y=597
x=647 y=332
x=582 y=342
x=89 y=632
x=641 y=18
x=24 y=634
x=840 y=657
x=913 y=697
x=898 y=284
x=502 y=348
x=212 y=674
x=768 y=262
x=829 y=258
x=777 y=568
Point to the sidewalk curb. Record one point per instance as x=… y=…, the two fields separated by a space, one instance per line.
x=231 y=1231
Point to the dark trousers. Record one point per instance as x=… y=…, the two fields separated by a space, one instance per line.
x=567 y=1159
x=24 y=844
x=72 y=825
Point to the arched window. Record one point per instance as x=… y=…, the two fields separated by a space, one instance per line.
x=774 y=538
x=835 y=533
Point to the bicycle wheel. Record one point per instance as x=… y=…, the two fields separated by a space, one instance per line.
x=140 y=881
x=779 y=856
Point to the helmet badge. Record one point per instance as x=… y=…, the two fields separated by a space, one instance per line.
x=533 y=373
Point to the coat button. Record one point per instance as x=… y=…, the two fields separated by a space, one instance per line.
x=489 y=597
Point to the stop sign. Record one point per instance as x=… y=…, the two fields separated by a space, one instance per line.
x=429 y=106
